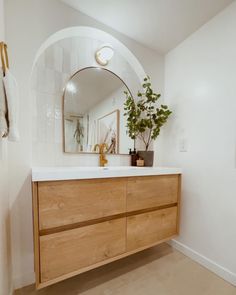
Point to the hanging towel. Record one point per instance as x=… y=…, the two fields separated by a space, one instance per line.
x=12 y=94
x=3 y=110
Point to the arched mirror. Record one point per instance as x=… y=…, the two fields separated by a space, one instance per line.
x=94 y=112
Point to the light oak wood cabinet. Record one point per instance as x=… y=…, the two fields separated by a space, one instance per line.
x=152 y=191
x=83 y=224
x=147 y=228
x=67 y=251
x=67 y=202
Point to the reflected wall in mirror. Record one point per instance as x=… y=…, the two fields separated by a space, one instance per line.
x=94 y=112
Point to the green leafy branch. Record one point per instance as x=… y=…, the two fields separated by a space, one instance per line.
x=144 y=118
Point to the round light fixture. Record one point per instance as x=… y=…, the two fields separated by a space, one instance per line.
x=104 y=55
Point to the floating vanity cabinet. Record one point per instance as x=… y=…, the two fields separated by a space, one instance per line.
x=80 y=224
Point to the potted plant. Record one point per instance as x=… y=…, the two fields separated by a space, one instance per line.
x=145 y=118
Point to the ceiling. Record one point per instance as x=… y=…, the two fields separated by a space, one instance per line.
x=157 y=24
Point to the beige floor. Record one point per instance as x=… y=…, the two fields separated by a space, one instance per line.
x=158 y=271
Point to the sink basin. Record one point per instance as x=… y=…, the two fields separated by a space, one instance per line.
x=67 y=173
x=118 y=168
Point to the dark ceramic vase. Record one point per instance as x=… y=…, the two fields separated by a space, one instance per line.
x=147 y=156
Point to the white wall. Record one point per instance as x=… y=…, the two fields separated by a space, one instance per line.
x=5 y=261
x=200 y=87
x=28 y=24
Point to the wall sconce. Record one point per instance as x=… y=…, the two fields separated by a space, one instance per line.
x=104 y=55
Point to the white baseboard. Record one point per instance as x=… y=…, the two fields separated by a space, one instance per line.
x=222 y=272
x=24 y=280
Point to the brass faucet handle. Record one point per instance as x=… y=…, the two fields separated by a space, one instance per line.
x=103 y=146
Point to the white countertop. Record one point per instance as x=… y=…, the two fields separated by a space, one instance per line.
x=67 y=173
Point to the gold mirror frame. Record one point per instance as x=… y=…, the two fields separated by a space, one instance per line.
x=63 y=111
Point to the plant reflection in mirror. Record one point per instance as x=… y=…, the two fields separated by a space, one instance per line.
x=79 y=133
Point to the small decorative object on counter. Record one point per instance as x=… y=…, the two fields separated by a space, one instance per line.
x=140 y=162
x=145 y=118
x=134 y=157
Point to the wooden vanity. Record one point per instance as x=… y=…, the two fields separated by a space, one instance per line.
x=80 y=224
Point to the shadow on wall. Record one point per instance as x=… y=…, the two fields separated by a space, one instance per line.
x=22 y=235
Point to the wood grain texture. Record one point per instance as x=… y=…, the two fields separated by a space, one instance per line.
x=68 y=202
x=151 y=191
x=36 y=232
x=68 y=251
x=148 y=228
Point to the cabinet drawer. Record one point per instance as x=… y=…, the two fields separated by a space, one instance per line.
x=67 y=202
x=68 y=251
x=151 y=191
x=149 y=228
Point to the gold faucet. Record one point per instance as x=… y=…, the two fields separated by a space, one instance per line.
x=102 y=156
